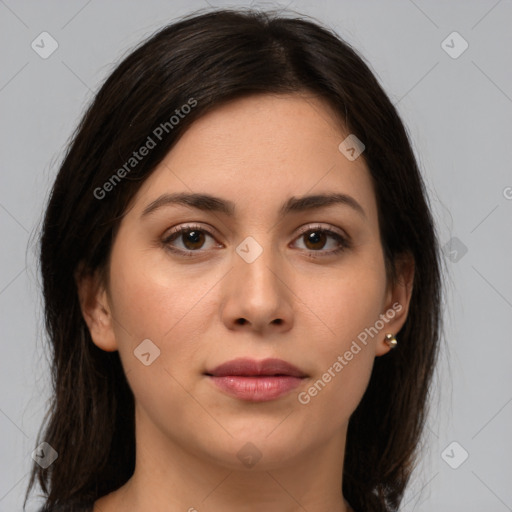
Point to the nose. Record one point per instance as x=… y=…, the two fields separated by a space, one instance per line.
x=258 y=295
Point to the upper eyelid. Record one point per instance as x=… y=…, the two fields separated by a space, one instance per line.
x=327 y=227
x=189 y=227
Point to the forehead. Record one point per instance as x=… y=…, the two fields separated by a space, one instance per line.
x=259 y=151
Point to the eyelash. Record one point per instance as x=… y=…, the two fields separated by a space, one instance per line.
x=343 y=242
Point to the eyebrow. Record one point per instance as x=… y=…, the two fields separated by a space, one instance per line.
x=207 y=202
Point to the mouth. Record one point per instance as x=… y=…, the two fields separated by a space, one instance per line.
x=251 y=368
x=256 y=381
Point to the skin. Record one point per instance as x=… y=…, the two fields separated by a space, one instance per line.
x=256 y=152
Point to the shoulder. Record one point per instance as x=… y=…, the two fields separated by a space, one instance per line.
x=69 y=507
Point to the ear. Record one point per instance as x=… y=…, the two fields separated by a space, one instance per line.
x=96 y=310
x=396 y=304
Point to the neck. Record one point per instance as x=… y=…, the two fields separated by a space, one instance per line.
x=170 y=476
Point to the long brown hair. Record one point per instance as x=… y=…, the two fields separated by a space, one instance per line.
x=213 y=57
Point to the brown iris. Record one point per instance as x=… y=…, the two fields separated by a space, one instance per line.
x=315 y=237
x=193 y=237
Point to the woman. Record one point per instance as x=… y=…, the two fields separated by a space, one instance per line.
x=241 y=281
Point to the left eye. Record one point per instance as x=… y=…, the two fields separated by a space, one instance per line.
x=193 y=238
x=319 y=236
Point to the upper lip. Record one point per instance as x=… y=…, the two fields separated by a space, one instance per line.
x=250 y=367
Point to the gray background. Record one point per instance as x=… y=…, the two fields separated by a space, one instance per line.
x=459 y=115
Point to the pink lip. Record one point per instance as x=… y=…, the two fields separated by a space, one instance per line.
x=256 y=381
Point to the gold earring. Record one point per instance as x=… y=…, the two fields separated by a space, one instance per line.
x=390 y=340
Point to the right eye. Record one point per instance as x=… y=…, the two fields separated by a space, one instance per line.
x=192 y=238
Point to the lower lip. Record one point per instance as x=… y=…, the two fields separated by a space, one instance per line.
x=256 y=389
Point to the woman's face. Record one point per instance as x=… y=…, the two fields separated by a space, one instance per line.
x=255 y=277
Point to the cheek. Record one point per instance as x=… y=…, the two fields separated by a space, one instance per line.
x=152 y=299
x=172 y=308
x=348 y=307
x=348 y=300
x=168 y=309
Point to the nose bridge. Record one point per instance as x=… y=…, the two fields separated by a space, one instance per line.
x=258 y=294
x=256 y=265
